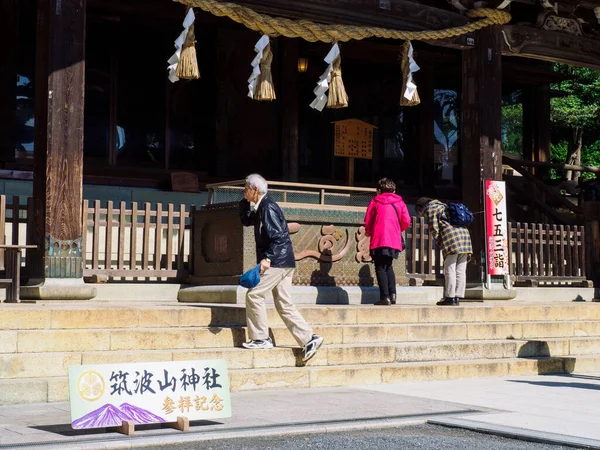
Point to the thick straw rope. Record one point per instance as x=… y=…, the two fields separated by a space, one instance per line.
x=313 y=32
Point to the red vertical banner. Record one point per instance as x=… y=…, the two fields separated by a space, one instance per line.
x=496 y=228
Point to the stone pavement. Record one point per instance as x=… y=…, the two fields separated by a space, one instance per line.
x=553 y=408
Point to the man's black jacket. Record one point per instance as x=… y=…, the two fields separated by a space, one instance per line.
x=270 y=232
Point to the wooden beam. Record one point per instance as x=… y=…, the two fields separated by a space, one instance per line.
x=58 y=155
x=548 y=165
x=481 y=156
x=8 y=79
x=530 y=42
x=401 y=15
x=548 y=190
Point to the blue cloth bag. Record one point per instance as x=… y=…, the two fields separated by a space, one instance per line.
x=251 y=278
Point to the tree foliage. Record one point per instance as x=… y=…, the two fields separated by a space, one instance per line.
x=580 y=107
x=575 y=117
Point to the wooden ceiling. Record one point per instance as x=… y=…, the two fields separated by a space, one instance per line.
x=564 y=31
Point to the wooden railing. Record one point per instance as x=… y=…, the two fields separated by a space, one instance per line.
x=121 y=241
x=154 y=243
x=287 y=192
x=423 y=258
x=544 y=194
x=548 y=252
x=538 y=252
x=13 y=222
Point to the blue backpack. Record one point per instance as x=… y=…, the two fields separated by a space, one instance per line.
x=459 y=215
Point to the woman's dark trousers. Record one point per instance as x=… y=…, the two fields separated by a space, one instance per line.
x=385 y=276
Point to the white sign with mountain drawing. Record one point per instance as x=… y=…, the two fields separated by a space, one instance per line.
x=105 y=395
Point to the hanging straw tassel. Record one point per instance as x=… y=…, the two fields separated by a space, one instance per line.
x=264 y=85
x=406 y=74
x=337 y=97
x=187 y=69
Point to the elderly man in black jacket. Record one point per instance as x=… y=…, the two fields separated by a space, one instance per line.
x=275 y=255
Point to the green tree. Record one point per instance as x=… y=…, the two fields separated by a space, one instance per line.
x=512 y=128
x=575 y=116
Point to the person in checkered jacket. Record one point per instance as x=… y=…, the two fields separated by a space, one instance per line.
x=455 y=243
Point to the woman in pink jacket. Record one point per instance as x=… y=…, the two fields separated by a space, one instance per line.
x=387 y=217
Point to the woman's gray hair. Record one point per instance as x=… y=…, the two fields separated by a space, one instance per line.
x=254 y=180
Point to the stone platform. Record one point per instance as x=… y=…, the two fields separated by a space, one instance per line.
x=364 y=344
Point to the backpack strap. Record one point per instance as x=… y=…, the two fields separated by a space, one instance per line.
x=400 y=225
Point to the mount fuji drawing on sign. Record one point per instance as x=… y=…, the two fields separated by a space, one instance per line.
x=111 y=416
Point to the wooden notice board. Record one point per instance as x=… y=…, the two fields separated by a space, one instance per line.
x=353 y=139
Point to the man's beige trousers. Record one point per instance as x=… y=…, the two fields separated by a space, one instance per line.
x=455 y=275
x=280 y=282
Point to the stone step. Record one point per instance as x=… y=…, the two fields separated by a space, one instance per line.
x=350 y=334
x=29 y=365
x=103 y=317
x=55 y=389
x=85 y=340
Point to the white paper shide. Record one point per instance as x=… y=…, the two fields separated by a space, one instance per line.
x=323 y=84
x=259 y=49
x=174 y=59
x=413 y=67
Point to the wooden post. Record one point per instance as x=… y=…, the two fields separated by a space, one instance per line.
x=182 y=424
x=528 y=99
x=536 y=126
x=8 y=79
x=542 y=126
x=127 y=428
x=289 y=108
x=350 y=171
x=425 y=134
x=481 y=139
x=58 y=155
x=592 y=237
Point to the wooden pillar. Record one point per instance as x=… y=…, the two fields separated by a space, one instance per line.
x=481 y=155
x=425 y=134
x=528 y=100
x=8 y=79
x=542 y=125
x=58 y=154
x=536 y=125
x=289 y=108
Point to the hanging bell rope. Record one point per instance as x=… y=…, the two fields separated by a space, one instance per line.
x=409 y=95
x=337 y=97
x=187 y=69
x=313 y=32
x=264 y=83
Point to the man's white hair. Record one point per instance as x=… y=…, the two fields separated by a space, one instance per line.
x=254 y=180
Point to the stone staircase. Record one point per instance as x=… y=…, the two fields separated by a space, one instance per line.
x=363 y=344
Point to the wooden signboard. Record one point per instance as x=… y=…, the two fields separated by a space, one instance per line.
x=353 y=138
x=129 y=394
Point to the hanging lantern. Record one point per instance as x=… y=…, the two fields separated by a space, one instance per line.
x=302 y=65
